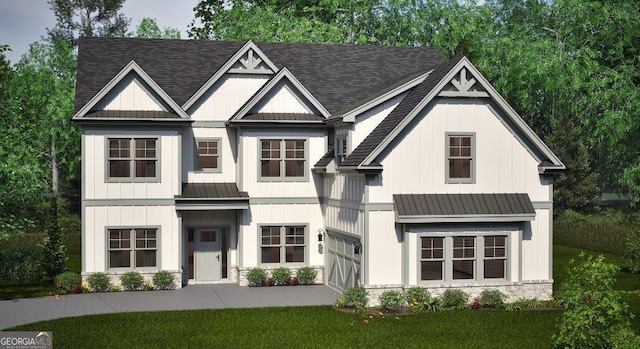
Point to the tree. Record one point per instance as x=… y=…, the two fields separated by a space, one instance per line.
x=53 y=249
x=148 y=28
x=577 y=188
x=87 y=18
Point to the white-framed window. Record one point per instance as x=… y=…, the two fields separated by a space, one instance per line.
x=132 y=248
x=208 y=154
x=463 y=258
x=342 y=148
x=130 y=159
x=283 y=244
x=283 y=159
x=460 y=157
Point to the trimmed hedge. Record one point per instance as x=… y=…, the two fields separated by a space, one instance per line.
x=20 y=264
x=604 y=232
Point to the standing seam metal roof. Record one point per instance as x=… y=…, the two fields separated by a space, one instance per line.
x=462 y=204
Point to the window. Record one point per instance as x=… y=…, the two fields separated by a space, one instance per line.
x=460 y=158
x=133 y=248
x=342 y=149
x=282 y=159
x=208 y=154
x=455 y=258
x=282 y=244
x=134 y=158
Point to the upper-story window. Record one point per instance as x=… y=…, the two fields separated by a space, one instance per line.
x=342 y=149
x=208 y=154
x=460 y=166
x=283 y=159
x=132 y=158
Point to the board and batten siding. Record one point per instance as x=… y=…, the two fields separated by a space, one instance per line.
x=95 y=166
x=343 y=195
x=226 y=162
x=97 y=219
x=502 y=163
x=132 y=93
x=226 y=96
x=283 y=98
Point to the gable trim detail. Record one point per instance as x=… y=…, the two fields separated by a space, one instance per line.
x=130 y=67
x=269 y=85
x=251 y=49
x=464 y=63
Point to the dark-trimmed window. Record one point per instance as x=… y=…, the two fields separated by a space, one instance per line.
x=282 y=244
x=463 y=258
x=283 y=159
x=133 y=248
x=132 y=158
x=460 y=158
x=208 y=154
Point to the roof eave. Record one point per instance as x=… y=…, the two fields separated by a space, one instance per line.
x=130 y=121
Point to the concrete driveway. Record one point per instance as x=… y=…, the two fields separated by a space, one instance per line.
x=23 y=311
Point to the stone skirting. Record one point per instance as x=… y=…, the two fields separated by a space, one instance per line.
x=539 y=289
x=114 y=276
x=239 y=274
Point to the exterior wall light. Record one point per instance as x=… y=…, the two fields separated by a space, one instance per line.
x=320 y=234
x=357 y=247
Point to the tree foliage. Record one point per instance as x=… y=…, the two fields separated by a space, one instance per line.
x=87 y=18
x=148 y=28
x=53 y=249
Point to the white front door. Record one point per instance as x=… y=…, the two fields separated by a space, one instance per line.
x=208 y=257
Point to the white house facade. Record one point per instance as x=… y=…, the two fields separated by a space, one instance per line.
x=380 y=167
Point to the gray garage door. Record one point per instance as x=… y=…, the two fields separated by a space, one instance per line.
x=343 y=265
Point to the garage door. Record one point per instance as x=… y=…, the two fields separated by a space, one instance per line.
x=343 y=264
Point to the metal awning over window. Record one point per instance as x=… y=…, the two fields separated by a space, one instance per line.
x=211 y=196
x=447 y=208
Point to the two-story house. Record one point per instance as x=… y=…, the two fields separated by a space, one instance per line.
x=385 y=167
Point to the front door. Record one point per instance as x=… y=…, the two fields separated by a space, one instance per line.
x=207 y=254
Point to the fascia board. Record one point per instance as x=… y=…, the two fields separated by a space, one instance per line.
x=249 y=45
x=257 y=97
x=466 y=218
x=350 y=116
x=131 y=66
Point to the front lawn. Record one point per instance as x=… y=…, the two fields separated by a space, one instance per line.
x=296 y=327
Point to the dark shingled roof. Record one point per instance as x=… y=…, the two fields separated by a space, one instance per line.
x=398 y=114
x=132 y=114
x=283 y=117
x=337 y=75
x=211 y=191
x=325 y=159
x=462 y=204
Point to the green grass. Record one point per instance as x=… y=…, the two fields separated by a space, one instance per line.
x=295 y=327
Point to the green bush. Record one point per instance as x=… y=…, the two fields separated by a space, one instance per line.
x=605 y=231
x=356 y=297
x=99 y=282
x=632 y=253
x=54 y=251
x=595 y=315
x=256 y=277
x=66 y=281
x=132 y=281
x=164 y=280
x=281 y=276
x=20 y=264
x=418 y=299
x=455 y=297
x=492 y=299
x=306 y=275
x=391 y=300
x=148 y=286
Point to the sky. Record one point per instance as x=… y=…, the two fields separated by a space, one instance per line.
x=25 y=21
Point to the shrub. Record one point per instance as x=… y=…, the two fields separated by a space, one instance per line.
x=492 y=298
x=475 y=303
x=356 y=297
x=132 y=281
x=65 y=281
x=455 y=297
x=148 y=286
x=99 y=282
x=417 y=298
x=269 y=281
x=256 y=277
x=77 y=289
x=391 y=300
x=115 y=288
x=532 y=303
x=596 y=316
x=294 y=281
x=53 y=250
x=281 y=276
x=632 y=252
x=306 y=275
x=517 y=305
x=20 y=265
x=164 y=280
x=607 y=230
